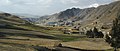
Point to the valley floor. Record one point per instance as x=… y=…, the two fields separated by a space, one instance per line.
x=28 y=40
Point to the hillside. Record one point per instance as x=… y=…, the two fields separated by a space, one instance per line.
x=6 y=18
x=103 y=15
x=73 y=14
x=24 y=34
x=17 y=34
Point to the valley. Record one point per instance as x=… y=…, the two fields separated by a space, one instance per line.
x=74 y=29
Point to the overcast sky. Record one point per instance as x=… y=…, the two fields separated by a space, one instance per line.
x=45 y=7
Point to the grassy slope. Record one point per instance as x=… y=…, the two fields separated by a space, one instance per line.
x=20 y=36
x=52 y=31
x=14 y=38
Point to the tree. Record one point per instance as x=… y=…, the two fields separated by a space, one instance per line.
x=115 y=34
x=95 y=32
x=100 y=35
x=90 y=34
x=108 y=38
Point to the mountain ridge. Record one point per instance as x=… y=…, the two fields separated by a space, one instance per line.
x=89 y=15
x=89 y=18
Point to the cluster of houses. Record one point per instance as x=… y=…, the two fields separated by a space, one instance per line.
x=68 y=23
x=80 y=30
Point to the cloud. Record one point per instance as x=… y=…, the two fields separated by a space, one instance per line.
x=5 y=2
x=69 y=1
x=116 y=0
x=94 y=5
x=45 y=2
x=88 y=6
x=27 y=2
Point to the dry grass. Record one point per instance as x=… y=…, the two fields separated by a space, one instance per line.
x=32 y=41
x=30 y=38
x=88 y=45
x=6 y=47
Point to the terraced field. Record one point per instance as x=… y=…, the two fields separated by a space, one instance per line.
x=91 y=44
x=24 y=40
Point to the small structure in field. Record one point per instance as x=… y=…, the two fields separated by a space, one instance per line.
x=67 y=31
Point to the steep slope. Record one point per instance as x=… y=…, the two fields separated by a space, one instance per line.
x=67 y=14
x=102 y=15
x=73 y=14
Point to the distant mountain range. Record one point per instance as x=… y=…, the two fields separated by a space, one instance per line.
x=28 y=17
x=22 y=15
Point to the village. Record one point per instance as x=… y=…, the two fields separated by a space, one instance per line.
x=70 y=27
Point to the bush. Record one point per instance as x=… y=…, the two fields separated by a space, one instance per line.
x=94 y=34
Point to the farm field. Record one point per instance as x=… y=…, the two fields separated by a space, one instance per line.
x=30 y=39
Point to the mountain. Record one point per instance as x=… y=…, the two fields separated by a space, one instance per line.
x=102 y=15
x=28 y=17
x=74 y=12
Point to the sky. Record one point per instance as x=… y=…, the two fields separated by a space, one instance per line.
x=46 y=7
